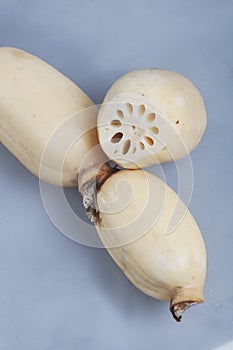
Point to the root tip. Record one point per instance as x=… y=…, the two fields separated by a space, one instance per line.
x=179 y=308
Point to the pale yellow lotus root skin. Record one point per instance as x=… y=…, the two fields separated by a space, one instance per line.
x=150 y=116
x=46 y=120
x=135 y=208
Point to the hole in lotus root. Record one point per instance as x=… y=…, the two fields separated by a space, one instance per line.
x=129 y=108
x=141 y=109
x=150 y=117
x=149 y=140
x=120 y=114
x=154 y=130
x=117 y=137
x=141 y=145
x=116 y=123
x=126 y=146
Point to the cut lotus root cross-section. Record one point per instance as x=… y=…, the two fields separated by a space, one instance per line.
x=150 y=116
x=132 y=135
